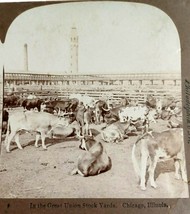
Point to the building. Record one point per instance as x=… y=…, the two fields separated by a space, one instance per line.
x=68 y=79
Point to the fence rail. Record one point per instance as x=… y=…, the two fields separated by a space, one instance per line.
x=107 y=92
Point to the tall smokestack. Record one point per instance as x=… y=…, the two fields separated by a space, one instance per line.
x=74 y=51
x=25 y=57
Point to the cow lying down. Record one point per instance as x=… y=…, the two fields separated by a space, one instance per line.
x=61 y=131
x=115 y=132
x=159 y=146
x=94 y=160
x=40 y=122
x=175 y=122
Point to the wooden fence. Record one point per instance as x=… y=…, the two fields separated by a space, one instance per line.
x=108 y=92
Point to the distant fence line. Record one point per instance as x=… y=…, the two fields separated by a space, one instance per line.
x=65 y=80
x=107 y=92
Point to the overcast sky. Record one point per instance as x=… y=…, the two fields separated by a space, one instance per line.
x=114 y=37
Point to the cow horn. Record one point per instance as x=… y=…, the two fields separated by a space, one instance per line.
x=105 y=109
x=80 y=137
x=67 y=113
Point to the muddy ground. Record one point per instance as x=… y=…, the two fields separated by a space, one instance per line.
x=36 y=173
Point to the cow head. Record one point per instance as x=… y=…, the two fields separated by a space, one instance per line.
x=87 y=142
x=64 y=121
x=122 y=116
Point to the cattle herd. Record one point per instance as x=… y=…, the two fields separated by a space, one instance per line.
x=75 y=116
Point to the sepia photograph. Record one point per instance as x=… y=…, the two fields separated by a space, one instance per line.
x=91 y=104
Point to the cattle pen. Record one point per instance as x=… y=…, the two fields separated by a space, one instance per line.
x=39 y=173
x=132 y=86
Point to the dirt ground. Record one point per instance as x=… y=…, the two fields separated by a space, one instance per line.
x=36 y=173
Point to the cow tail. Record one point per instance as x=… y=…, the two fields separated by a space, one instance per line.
x=103 y=136
x=135 y=161
x=74 y=171
x=134 y=156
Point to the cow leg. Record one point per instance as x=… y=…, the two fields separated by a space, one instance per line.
x=90 y=132
x=97 y=114
x=183 y=169
x=87 y=130
x=37 y=139
x=17 y=141
x=8 y=140
x=43 y=136
x=177 y=167
x=144 y=158
x=74 y=171
x=83 y=145
x=83 y=129
x=153 y=163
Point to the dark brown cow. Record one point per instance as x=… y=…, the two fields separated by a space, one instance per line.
x=5 y=121
x=112 y=115
x=94 y=160
x=151 y=101
x=29 y=104
x=10 y=101
x=67 y=105
x=80 y=116
x=84 y=116
x=101 y=108
x=5 y=115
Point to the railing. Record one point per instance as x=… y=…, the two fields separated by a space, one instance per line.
x=107 y=92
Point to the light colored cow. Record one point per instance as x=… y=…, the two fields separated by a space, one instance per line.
x=156 y=146
x=133 y=113
x=85 y=99
x=115 y=132
x=94 y=160
x=165 y=103
x=84 y=118
x=137 y=112
x=40 y=122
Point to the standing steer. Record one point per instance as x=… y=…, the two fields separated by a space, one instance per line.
x=10 y=101
x=85 y=99
x=155 y=146
x=101 y=109
x=40 y=122
x=93 y=161
x=84 y=118
x=29 y=104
